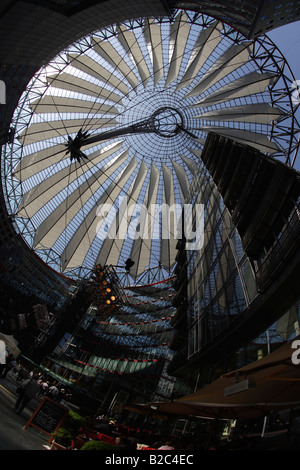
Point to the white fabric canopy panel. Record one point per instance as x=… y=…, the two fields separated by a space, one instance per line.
x=145 y=94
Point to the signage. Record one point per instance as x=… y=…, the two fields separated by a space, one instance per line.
x=239 y=387
x=48 y=416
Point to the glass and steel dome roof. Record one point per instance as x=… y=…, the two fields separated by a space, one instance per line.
x=117 y=123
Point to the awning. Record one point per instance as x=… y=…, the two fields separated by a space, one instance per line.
x=267 y=385
x=11 y=344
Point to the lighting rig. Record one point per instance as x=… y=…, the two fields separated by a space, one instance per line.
x=105 y=290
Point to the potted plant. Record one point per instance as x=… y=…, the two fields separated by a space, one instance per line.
x=62 y=439
x=74 y=422
x=98 y=445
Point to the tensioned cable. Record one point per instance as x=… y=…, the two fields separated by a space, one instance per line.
x=76 y=169
x=159 y=91
x=162 y=91
x=185 y=52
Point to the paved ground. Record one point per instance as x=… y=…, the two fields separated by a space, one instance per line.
x=13 y=436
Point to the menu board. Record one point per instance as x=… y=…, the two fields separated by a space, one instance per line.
x=48 y=416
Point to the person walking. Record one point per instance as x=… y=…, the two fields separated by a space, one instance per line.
x=27 y=390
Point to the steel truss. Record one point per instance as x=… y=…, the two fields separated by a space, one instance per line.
x=283 y=132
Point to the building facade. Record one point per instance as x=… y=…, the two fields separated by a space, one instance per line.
x=240 y=298
x=241 y=284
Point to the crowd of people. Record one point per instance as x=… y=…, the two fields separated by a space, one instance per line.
x=53 y=390
x=31 y=385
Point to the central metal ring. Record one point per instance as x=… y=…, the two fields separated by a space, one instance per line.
x=167 y=121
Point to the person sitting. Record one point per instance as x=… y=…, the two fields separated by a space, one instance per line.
x=167 y=446
x=119 y=443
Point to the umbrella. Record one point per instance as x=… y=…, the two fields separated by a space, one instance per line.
x=11 y=344
x=267 y=385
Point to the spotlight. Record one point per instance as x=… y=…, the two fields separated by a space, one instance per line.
x=129 y=263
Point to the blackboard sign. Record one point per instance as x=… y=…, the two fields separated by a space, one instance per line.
x=48 y=416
